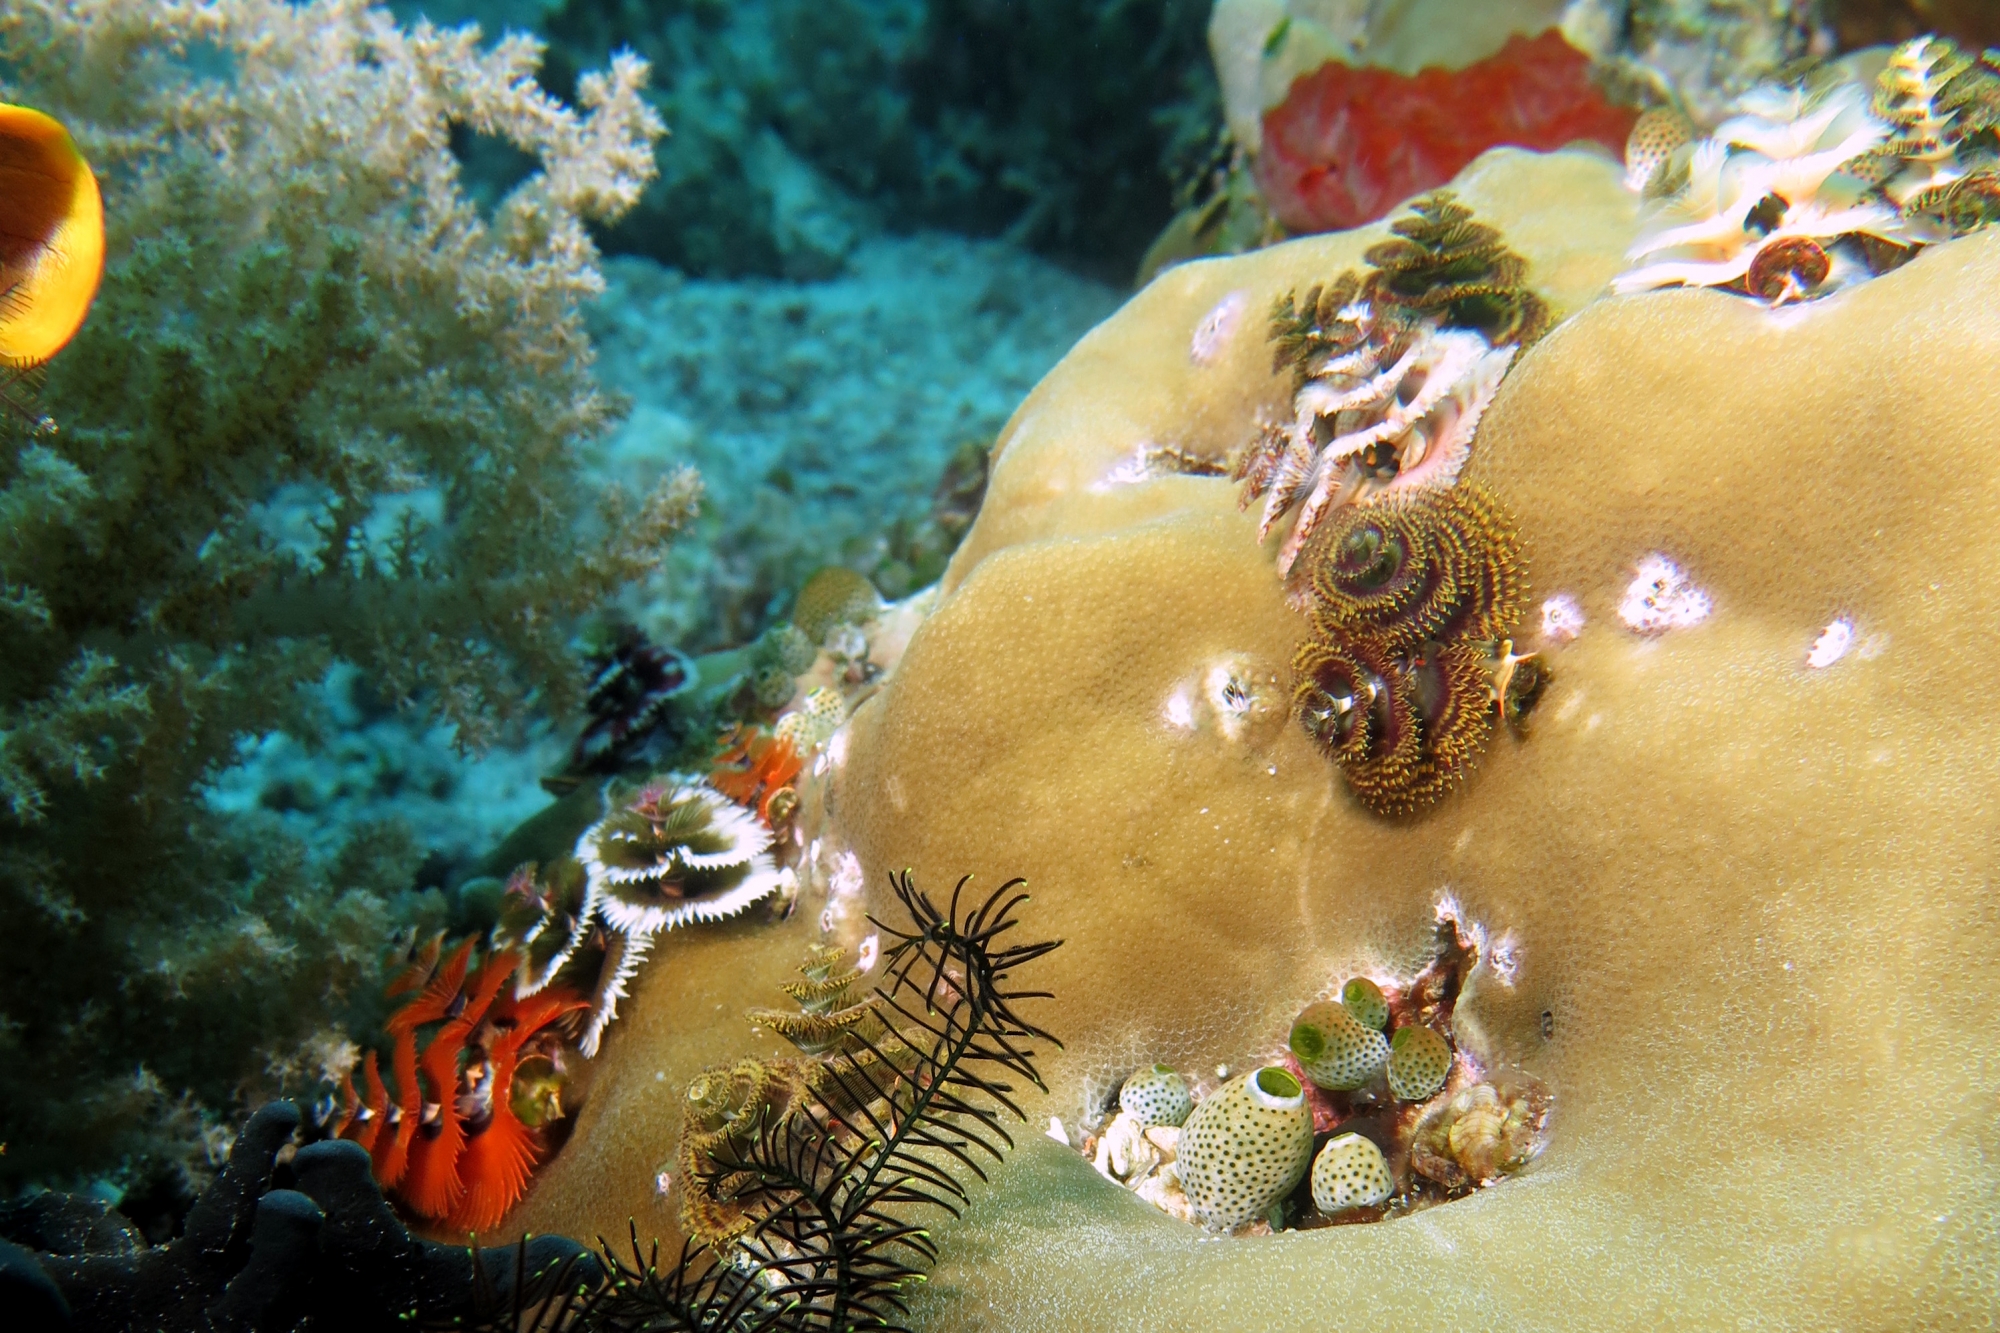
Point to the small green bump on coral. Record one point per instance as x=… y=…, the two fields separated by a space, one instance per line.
x=790 y=648
x=1350 y=1172
x=1334 y=1049
x=1363 y=998
x=1156 y=1096
x=773 y=686
x=835 y=595
x=1419 y=1059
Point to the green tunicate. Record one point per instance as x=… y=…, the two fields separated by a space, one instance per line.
x=1419 y=1059
x=1245 y=1146
x=1363 y=998
x=1350 y=1172
x=774 y=686
x=787 y=647
x=1156 y=1096
x=1334 y=1049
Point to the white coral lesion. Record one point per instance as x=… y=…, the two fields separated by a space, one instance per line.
x=1395 y=413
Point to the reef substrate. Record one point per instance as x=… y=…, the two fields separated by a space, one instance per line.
x=1734 y=885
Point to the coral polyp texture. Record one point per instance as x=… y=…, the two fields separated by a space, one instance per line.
x=1393 y=370
x=458 y=1129
x=1697 y=882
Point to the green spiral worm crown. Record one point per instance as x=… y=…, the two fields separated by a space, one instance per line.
x=1443 y=265
x=1245 y=1146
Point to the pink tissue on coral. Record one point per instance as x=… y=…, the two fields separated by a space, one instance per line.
x=1347 y=145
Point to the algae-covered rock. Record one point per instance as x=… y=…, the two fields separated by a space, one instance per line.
x=1697 y=873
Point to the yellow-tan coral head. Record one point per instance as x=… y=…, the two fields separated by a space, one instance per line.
x=51 y=236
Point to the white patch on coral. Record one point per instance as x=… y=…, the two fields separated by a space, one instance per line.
x=1179 y=711
x=846 y=880
x=1212 y=334
x=1831 y=645
x=1562 y=618
x=1505 y=959
x=868 y=954
x=1229 y=696
x=1142 y=464
x=1450 y=909
x=1662 y=597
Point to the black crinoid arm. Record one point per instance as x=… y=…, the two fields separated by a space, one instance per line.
x=877 y=1133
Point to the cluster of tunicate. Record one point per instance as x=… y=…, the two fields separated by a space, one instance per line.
x=1245 y=1146
x=1340 y=1046
x=1412 y=602
x=1371 y=1080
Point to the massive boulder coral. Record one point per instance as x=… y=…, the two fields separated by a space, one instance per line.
x=1697 y=874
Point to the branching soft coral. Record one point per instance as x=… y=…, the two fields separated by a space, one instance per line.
x=323 y=408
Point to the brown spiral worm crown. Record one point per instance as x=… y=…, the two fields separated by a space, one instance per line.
x=1410 y=597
